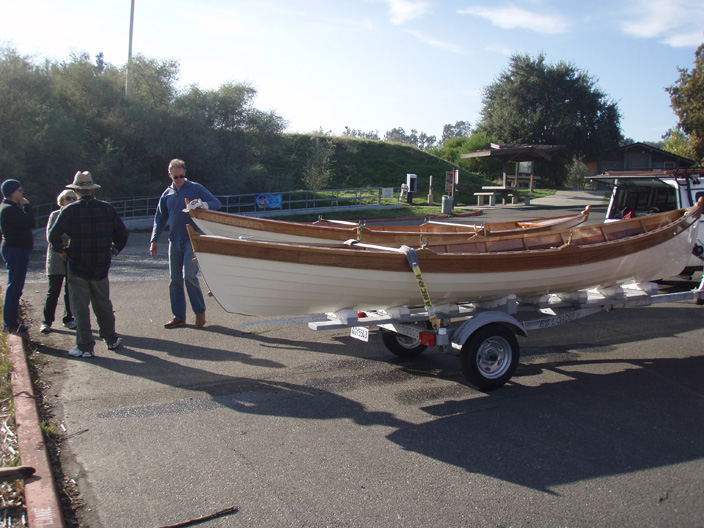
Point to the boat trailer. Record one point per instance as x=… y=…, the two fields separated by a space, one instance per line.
x=483 y=335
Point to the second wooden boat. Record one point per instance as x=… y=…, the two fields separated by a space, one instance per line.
x=235 y=226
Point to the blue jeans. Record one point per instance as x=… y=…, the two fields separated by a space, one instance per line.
x=183 y=269
x=17 y=260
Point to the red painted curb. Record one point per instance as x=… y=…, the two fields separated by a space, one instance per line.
x=40 y=495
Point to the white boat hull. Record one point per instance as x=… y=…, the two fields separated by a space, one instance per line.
x=271 y=288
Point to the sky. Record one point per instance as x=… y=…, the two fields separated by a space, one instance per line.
x=375 y=65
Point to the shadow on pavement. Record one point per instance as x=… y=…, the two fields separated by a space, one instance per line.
x=592 y=425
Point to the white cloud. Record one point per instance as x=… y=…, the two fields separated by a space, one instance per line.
x=503 y=50
x=401 y=11
x=512 y=17
x=678 y=23
x=436 y=43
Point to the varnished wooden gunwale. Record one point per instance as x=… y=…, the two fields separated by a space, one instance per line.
x=392 y=235
x=577 y=246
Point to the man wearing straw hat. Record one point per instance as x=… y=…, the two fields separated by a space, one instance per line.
x=96 y=234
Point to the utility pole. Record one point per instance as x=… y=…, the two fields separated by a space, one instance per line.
x=129 y=53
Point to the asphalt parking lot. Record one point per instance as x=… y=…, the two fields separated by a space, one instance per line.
x=600 y=426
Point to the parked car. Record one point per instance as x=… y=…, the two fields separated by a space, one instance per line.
x=642 y=192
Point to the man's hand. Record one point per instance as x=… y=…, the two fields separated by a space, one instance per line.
x=152 y=249
x=195 y=204
x=64 y=256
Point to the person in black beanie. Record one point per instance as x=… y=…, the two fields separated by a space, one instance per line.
x=16 y=224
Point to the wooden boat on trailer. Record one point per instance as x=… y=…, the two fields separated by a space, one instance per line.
x=258 y=277
x=322 y=231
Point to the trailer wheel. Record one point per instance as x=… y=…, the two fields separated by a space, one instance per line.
x=401 y=345
x=489 y=357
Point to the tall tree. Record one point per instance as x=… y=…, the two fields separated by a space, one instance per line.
x=354 y=133
x=421 y=141
x=57 y=117
x=459 y=129
x=536 y=102
x=396 y=135
x=677 y=142
x=25 y=90
x=40 y=139
x=687 y=99
x=452 y=150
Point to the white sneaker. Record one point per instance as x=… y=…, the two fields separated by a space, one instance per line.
x=45 y=328
x=71 y=325
x=76 y=352
x=115 y=344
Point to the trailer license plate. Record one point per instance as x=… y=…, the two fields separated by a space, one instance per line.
x=360 y=332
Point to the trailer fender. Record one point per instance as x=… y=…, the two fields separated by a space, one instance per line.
x=466 y=329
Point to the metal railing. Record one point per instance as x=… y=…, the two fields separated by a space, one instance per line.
x=293 y=201
x=300 y=200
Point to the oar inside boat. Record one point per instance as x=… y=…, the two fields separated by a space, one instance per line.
x=341 y=222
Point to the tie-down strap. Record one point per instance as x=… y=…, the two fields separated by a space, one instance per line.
x=412 y=258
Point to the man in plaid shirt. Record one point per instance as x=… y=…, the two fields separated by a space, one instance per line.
x=96 y=234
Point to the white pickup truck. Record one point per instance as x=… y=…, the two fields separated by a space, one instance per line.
x=642 y=192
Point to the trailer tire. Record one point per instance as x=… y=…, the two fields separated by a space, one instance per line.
x=400 y=345
x=490 y=356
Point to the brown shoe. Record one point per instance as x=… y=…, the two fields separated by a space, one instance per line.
x=200 y=319
x=174 y=323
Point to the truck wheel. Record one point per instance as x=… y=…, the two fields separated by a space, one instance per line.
x=401 y=345
x=489 y=357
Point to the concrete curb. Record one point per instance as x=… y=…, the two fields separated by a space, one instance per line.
x=40 y=495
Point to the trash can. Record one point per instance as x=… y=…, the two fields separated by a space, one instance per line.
x=412 y=182
x=446 y=204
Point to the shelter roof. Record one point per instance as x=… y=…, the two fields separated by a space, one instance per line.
x=644 y=146
x=516 y=151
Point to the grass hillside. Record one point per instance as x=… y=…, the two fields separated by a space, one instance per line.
x=363 y=163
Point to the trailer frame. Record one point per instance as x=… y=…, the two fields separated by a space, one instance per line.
x=483 y=334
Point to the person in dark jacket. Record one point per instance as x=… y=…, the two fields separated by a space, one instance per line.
x=16 y=224
x=96 y=234
x=56 y=271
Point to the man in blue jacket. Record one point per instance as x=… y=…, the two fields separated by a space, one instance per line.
x=182 y=268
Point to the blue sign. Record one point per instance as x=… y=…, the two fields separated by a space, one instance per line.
x=267 y=201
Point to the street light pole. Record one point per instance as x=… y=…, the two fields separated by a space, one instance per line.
x=129 y=52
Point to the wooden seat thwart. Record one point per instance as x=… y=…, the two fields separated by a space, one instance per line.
x=584 y=236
